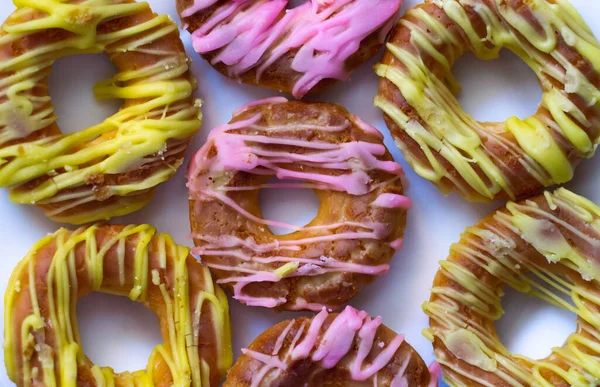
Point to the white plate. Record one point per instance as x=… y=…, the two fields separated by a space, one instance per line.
x=119 y=334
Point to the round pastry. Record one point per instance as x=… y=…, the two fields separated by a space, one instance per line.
x=299 y=50
x=41 y=338
x=345 y=349
x=548 y=247
x=359 y=225
x=111 y=168
x=484 y=161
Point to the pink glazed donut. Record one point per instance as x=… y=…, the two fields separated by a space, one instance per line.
x=349 y=349
x=299 y=50
x=359 y=225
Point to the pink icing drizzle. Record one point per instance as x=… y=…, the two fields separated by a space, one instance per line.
x=397 y=244
x=271 y=100
x=400 y=379
x=303 y=349
x=436 y=373
x=336 y=343
x=323 y=34
x=238 y=152
x=389 y=200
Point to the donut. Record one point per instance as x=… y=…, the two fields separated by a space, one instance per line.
x=480 y=160
x=300 y=50
x=345 y=349
x=42 y=346
x=547 y=246
x=359 y=225
x=112 y=168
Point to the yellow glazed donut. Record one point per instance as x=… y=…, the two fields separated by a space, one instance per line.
x=548 y=247
x=112 y=168
x=41 y=340
x=482 y=160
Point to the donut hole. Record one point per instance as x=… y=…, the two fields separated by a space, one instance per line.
x=71 y=87
x=531 y=326
x=283 y=204
x=495 y=90
x=116 y=331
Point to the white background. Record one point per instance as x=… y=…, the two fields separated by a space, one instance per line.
x=121 y=334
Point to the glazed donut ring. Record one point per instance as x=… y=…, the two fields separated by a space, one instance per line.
x=484 y=161
x=112 y=168
x=555 y=240
x=300 y=50
x=359 y=225
x=346 y=349
x=41 y=339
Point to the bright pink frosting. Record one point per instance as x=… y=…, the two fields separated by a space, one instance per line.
x=322 y=34
x=337 y=342
x=238 y=152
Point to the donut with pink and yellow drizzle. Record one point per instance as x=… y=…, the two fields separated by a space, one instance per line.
x=299 y=50
x=359 y=225
x=345 y=349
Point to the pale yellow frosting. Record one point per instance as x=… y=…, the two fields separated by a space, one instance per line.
x=547 y=144
x=555 y=239
x=157 y=118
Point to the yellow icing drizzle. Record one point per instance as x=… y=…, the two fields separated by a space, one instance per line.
x=158 y=266
x=286 y=269
x=149 y=132
x=443 y=130
x=533 y=136
x=556 y=239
